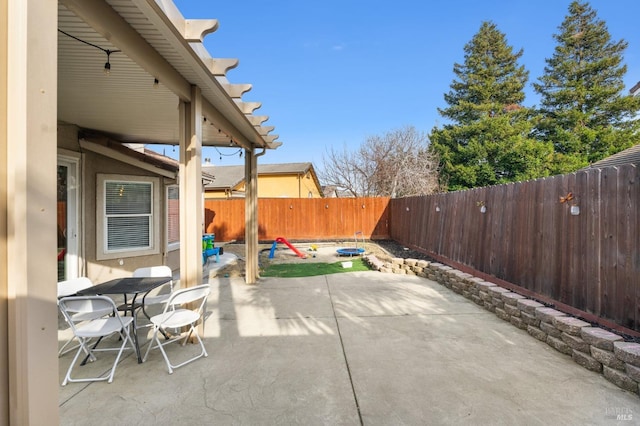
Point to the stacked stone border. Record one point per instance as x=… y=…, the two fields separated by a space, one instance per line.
x=594 y=348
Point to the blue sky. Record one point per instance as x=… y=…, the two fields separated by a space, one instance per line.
x=331 y=73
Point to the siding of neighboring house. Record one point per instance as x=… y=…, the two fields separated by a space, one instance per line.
x=236 y=191
x=287 y=186
x=301 y=183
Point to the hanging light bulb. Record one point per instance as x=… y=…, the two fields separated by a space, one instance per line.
x=107 y=65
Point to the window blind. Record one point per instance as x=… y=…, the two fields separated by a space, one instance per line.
x=128 y=214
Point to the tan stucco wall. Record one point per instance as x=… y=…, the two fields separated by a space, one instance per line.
x=309 y=185
x=209 y=194
x=287 y=186
x=92 y=165
x=278 y=186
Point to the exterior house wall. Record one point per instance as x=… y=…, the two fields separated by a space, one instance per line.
x=103 y=270
x=287 y=186
x=309 y=186
x=217 y=194
x=276 y=186
x=94 y=164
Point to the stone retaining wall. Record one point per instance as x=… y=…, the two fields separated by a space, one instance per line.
x=593 y=348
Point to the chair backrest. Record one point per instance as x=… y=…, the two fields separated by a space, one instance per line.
x=188 y=295
x=86 y=307
x=153 y=271
x=72 y=286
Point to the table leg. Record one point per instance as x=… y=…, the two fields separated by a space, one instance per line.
x=135 y=327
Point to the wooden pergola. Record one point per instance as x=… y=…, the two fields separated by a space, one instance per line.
x=162 y=87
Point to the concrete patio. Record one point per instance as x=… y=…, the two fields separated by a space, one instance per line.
x=355 y=348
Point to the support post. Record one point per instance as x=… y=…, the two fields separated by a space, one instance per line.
x=28 y=133
x=190 y=180
x=251 y=216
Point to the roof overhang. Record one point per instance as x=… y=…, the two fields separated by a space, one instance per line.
x=157 y=56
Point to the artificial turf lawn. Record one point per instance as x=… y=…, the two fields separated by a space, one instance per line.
x=291 y=270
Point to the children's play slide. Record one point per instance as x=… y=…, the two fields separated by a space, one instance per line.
x=288 y=244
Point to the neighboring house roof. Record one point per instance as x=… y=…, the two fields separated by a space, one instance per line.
x=228 y=177
x=330 y=191
x=635 y=90
x=628 y=156
x=343 y=193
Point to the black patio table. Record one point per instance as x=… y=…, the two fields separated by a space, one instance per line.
x=127 y=286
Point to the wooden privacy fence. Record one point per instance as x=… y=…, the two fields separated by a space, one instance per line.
x=309 y=219
x=528 y=236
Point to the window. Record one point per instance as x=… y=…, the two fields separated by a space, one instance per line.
x=173 y=217
x=127 y=219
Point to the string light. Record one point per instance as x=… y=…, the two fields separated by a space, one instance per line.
x=107 y=65
x=231 y=144
x=239 y=151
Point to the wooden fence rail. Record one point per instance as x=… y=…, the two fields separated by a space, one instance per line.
x=528 y=236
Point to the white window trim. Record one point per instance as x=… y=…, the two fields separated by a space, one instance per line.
x=101 y=251
x=170 y=246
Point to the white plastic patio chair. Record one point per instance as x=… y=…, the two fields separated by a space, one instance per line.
x=69 y=288
x=72 y=286
x=181 y=310
x=98 y=327
x=155 y=297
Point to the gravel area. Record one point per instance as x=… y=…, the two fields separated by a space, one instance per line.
x=398 y=250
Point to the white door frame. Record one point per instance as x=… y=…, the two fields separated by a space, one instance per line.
x=73 y=231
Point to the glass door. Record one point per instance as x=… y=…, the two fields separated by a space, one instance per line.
x=67 y=218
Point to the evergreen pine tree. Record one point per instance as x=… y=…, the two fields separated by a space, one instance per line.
x=488 y=138
x=584 y=112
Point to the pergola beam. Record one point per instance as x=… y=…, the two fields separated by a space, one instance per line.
x=247 y=107
x=196 y=29
x=107 y=22
x=220 y=66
